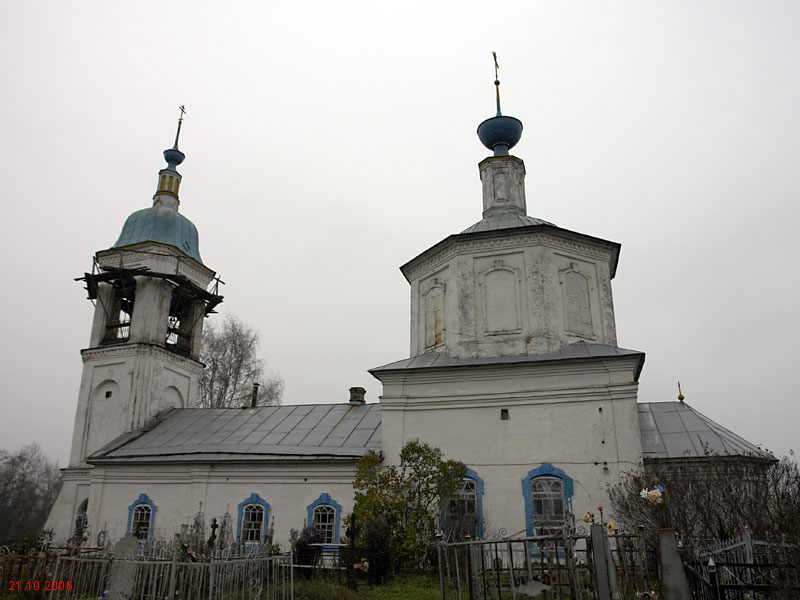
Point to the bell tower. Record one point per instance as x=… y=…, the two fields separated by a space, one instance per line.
x=151 y=294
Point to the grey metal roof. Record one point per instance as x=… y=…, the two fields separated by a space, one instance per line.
x=300 y=432
x=676 y=430
x=431 y=360
x=504 y=221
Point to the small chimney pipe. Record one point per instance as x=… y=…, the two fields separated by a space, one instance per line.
x=254 y=398
x=357 y=396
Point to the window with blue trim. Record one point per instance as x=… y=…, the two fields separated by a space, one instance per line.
x=253 y=519
x=323 y=520
x=141 y=515
x=81 y=520
x=463 y=511
x=141 y=521
x=252 y=523
x=548 y=500
x=547 y=497
x=324 y=515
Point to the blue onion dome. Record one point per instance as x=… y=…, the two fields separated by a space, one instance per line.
x=174 y=157
x=162 y=225
x=500 y=134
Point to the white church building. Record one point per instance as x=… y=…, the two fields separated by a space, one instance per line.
x=514 y=369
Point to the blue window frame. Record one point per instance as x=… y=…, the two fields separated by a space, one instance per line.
x=253 y=518
x=142 y=517
x=548 y=498
x=324 y=514
x=462 y=513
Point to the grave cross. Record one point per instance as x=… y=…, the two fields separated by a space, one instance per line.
x=214 y=527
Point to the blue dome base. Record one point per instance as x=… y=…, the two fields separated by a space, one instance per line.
x=162 y=225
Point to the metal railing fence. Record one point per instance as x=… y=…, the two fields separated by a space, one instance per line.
x=263 y=578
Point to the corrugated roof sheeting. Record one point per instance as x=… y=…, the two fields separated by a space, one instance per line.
x=272 y=433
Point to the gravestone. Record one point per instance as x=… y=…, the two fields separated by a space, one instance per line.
x=603 y=564
x=674 y=584
x=123 y=568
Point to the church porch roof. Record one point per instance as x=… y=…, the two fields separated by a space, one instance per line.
x=676 y=430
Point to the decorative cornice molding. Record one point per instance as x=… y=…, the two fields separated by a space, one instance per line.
x=579 y=366
x=139 y=348
x=511 y=399
x=519 y=240
x=73 y=473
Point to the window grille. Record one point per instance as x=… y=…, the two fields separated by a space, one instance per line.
x=252 y=523
x=461 y=517
x=547 y=499
x=324 y=521
x=140 y=525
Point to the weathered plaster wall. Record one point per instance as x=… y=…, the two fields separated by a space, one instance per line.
x=511 y=295
x=123 y=387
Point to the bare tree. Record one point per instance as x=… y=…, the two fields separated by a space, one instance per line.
x=29 y=485
x=714 y=498
x=232 y=366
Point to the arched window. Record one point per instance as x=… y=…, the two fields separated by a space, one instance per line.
x=119 y=311
x=548 y=500
x=253 y=519
x=434 y=317
x=462 y=515
x=141 y=516
x=324 y=520
x=462 y=511
x=547 y=496
x=578 y=307
x=81 y=520
x=141 y=522
x=324 y=515
x=252 y=523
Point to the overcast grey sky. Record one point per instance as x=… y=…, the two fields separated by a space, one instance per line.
x=328 y=143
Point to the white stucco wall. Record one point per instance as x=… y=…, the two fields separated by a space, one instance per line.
x=179 y=491
x=578 y=416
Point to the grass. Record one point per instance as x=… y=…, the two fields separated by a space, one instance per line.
x=408 y=587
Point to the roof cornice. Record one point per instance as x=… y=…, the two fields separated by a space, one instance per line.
x=456 y=238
